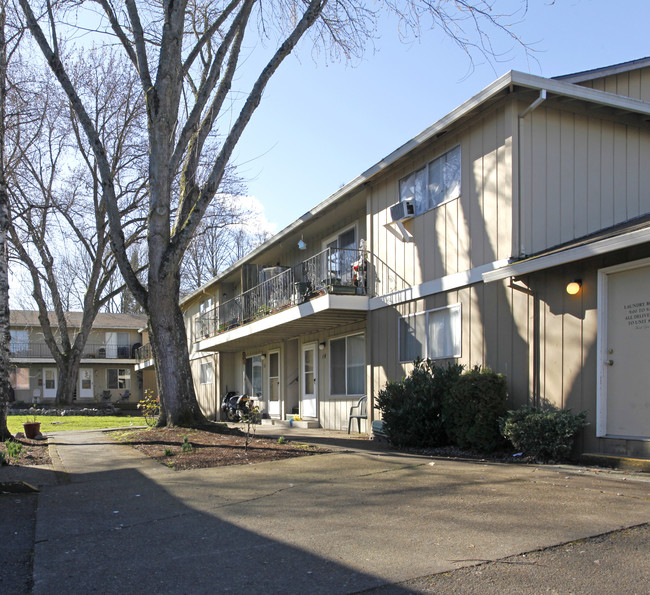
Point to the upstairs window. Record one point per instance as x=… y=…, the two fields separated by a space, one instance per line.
x=19 y=344
x=435 y=183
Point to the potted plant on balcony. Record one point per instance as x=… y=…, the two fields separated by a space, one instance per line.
x=32 y=427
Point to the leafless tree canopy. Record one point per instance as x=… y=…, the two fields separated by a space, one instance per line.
x=59 y=230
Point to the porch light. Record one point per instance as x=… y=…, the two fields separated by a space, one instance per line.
x=574 y=287
x=301 y=244
x=321 y=346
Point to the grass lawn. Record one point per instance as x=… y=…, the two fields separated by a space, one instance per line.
x=53 y=423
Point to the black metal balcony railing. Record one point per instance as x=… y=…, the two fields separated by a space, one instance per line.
x=91 y=350
x=144 y=353
x=330 y=271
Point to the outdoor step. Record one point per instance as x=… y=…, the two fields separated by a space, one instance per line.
x=291 y=423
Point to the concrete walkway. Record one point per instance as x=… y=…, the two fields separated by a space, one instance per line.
x=357 y=519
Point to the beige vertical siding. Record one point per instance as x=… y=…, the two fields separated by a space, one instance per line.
x=462 y=233
x=635 y=83
x=206 y=394
x=499 y=323
x=579 y=174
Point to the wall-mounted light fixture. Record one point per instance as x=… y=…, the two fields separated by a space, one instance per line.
x=301 y=244
x=321 y=346
x=263 y=356
x=574 y=287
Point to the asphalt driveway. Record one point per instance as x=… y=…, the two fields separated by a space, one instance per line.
x=358 y=519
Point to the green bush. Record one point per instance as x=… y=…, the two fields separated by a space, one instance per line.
x=13 y=448
x=412 y=407
x=545 y=434
x=472 y=408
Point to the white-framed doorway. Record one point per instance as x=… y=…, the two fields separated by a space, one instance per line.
x=274 y=384
x=623 y=409
x=309 y=381
x=86 y=383
x=50 y=382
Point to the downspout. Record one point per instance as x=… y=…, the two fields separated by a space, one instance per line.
x=532 y=107
x=370 y=282
x=536 y=314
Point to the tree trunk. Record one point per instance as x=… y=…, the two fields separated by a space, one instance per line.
x=67 y=382
x=5 y=337
x=179 y=406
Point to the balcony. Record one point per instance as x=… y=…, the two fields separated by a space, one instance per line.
x=91 y=350
x=332 y=271
x=144 y=353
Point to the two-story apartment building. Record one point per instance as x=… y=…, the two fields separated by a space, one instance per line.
x=513 y=233
x=107 y=371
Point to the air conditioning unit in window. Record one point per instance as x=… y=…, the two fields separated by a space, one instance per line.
x=405 y=209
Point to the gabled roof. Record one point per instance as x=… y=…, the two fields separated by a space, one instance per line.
x=596 y=73
x=24 y=318
x=500 y=87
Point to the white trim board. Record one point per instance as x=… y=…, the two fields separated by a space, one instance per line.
x=532 y=265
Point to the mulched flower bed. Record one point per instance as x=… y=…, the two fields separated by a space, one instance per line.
x=216 y=447
x=32 y=452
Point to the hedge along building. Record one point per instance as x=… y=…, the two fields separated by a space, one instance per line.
x=459 y=246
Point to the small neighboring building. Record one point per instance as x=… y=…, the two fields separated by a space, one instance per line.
x=107 y=370
x=513 y=233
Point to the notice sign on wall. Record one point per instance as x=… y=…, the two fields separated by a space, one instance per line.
x=637 y=314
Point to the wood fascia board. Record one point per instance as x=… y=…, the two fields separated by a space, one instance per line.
x=588 y=94
x=599 y=73
x=539 y=263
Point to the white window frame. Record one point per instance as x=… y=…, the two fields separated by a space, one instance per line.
x=255 y=362
x=123 y=378
x=425 y=184
x=204 y=307
x=347 y=393
x=206 y=373
x=335 y=237
x=426 y=339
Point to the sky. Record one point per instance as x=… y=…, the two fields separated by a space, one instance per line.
x=320 y=125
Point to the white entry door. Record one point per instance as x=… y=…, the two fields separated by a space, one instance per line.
x=309 y=384
x=624 y=321
x=274 y=384
x=86 y=388
x=49 y=383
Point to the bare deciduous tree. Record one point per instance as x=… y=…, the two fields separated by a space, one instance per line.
x=59 y=228
x=10 y=36
x=227 y=232
x=186 y=55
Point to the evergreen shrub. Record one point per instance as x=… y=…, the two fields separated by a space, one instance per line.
x=545 y=434
x=412 y=407
x=472 y=408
